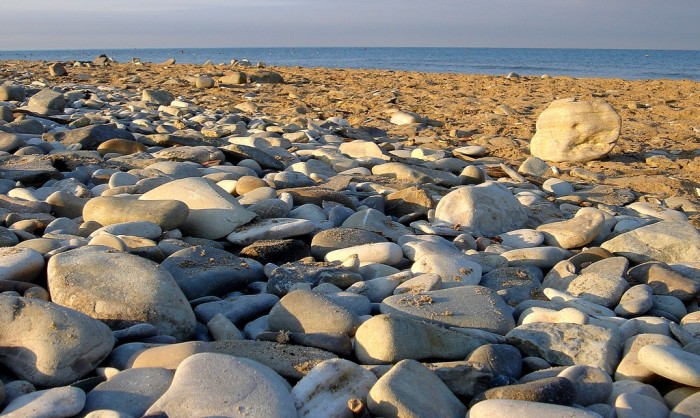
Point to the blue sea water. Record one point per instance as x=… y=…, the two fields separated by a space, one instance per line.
x=609 y=63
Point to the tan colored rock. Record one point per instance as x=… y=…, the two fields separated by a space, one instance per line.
x=576 y=131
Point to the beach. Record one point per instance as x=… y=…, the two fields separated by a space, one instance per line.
x=243 y=240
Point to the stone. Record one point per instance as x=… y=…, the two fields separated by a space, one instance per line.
x=131 y=391
x=20 y=264
x=221 y=328
x=327 y=388
x=47 y=100
x=454 y=271
x=157 y=96
x=276 y=251
x=213 y=213
x=237 y=309
x=120 y=289
x=498 y=359
x=521 y=238
x=603 y=288
x=233 y=78
x=463 y=307
x=410 y=389
x=209 y=384
x=282 y=278
x=375 y=221
x=486 y=209
x=592 y=385
x=120 y=146
x=28 y=169
x=631 y=366
x=569 y=344
x=665 y=241
x=542 y=257
x=34 y=345
x=309 y=312
x=266 y=77
x=273 y=228
x=361 y=149
x=89 y=137
x=514 y=284
x=566 y=315
x=508 y=408
x=201 y=271
x=575 y=131
x=336 y=238
x=204 y=82
x=630 y=405
x=550 y=390
x=672 y=363
x=688 y=407
x=387 y=253
x=665 y=281
x=574 y=233
x=12 y=93
x=385 y=339
x=637 y=300
x=401 y=117
x=58 y=402
x=416 y=174
x=408 y=201
x=534 y=166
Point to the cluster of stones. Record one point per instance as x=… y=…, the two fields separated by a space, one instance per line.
x=161 y=258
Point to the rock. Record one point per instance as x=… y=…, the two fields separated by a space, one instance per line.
x=28 y=169
x=120 y=146
x=236 y=153
x=20 y=264
x=535 y=167
x=630 y=405
x=120 y=289
x=665 y=281
x=12 y=93
x=416 y=174
x=557 y=187
x=576 y=232
x=672 y=363
x=551 y=390
x=203 y=82
x=34 y=343
x=603 y=285
x=592 y=385
x=575 y=131
x=522 y=238
x=463 y=307
x=47 y=101
x=631 y=367
x=514 y=284
x=385 y=339
x=213 y=212
x=282 y=278
x=408 y=201
x=233 y=78
x=89 y=137
x=161 y=97
x=382 y=252
x=131 y=391
x=309 y=312
x=542 y=257
x=409 y=389
x=276 y=251
x=498 y=359
x=210 y=384
x=273 y=228
x=50 y=403
x=689 y=407
x=336 y=238
x=266 y=77
x=507 y=408
x=401 y=117
x=486 y=209
x=361 y=149
x=636 y=301
x=237 y=309
x=201 y=271
x=56 y=69
x=569 y=344
x=375 y=221
x=327 y=388
x=665 y=241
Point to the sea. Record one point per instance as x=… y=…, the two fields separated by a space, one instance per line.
x=630 y=64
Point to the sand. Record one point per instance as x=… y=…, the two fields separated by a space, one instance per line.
x=657 y=155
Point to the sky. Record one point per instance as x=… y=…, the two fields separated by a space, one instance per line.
x=94 y=24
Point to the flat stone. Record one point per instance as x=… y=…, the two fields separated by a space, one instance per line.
x=201 y=271
x=29 y=169
x=592 y=385
x=408 y=201
x=665 y=241
x=637 y=300
x=210 y=384
x=631 y=366
x=317 y=195
x=411 y=389
x=34 y=347
x=385 y=339
x=131 y=391
x=20 y=264
x=387 y=253
x=282 y=278
x=237 y=309
x=307 y=311
x=689 y=407
x=276 y=251
x=213 y=212
x=543 y=257
x=551 y=390
x=108 y=210
x=274 y=228
x=50 y=403
x=89 y=137
x=498 y=359
x=576 y=232
x=486 y=209
x=464 y=307
x=630 y=405
x=508 y=408
x=375 y=221
x=327 y=388
x=665 y=281
x=569 y=344
x=672 y=363
x=455 y=271
x=515 y=284
x=236 y=153
x=120 y=289
x=416 y=174
x=522 y=238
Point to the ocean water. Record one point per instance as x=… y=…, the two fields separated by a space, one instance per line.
x=609 y=63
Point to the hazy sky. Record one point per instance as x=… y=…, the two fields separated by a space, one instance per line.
x=75 y=24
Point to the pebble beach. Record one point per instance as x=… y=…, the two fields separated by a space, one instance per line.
x=241 y=240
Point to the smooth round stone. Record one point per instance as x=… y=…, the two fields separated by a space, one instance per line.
x=62 y=226
x=143 y=229
x=486 y=209
x=574 y=233
x=552 y=390
x=670 y=304
x=375 y=221
x=507 y=408
x=665 y=281
x=275 y=228
x=338 y=238
x=637 y=300
x=419 y=284
x=658 y=211
x=309 y=212
x=213 y=213
x=289 y=179
x=246 y=184
x=270 y=208
x=396 y=394
x=630 y=405
x=672 y=363
x=535 y=167
x=417 y=246
x=209 y=384
x=276 y=251
x=665 y=241
x=109 y=240
x=221 y=328
x=50 y=403
x=237 y=309
x=307 y=311
x=379 y=288
x=122 y=179
x=592 y=384
x=107 y=413
x=674 y=397
x=130 y=392
x=360 y=305
x=120 y=289
x=522 y=238
x=691 y=323
x=514 y=284
x=16 y=388
x=107 y=210
x=470 y=151
x=20 y=264
x=557 y=187
x=632 y=386
x=38 y=327
x=499 y=359
x=454 y=271
x=385 y=339
x=464 y=307
x=602 y=288
x=688 y=407
x=382 y=252
x=120 y=146
x=201 y=271
x=543 y=257
x=565 y=316
x=327 y=388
